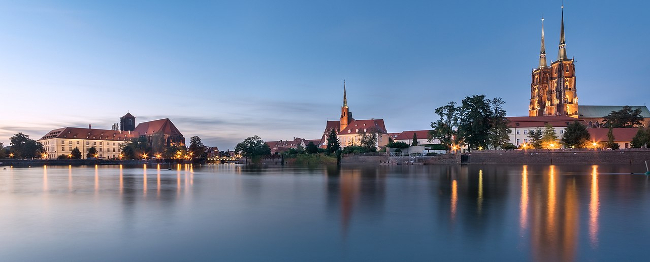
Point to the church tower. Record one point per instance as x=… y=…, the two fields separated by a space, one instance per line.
x=346 y=115
x=553 y=89
x=127 y=122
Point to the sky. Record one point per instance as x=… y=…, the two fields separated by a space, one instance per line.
x=227 y=70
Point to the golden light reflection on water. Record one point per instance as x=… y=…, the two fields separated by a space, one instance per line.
x=45 y=178
x=178 y=179
x=69 y=177
x=594 y=205
x=454 y=198
x=523 y=205
x=144 y=180
x=551 y=200
x=480 y=190
x=121 y=180
x=158 y=181
x=96 y=179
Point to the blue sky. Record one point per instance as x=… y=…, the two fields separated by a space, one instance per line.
x=226 y=70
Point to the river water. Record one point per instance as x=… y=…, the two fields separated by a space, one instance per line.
x=398 y=213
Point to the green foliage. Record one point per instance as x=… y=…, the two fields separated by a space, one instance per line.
x=311 y=148
x=397 y=145
x=3 y=152
x=196 y=148
x=438 y=147
x=24 y=147
x=415 y=139
x=576 y=136
x=445 y=129
x=610 y=139
x=478 y=122
x=641 y=139
x=76 y=154
x=626 y=117
x=253 y=147
x=315 y=159
x=92 y=152
x=136 y=148
x=355 y=150
x=549 y=138
x=509 y=146
x=333 y=143
x=369 y=141
x=61 y=157
x=535 y=138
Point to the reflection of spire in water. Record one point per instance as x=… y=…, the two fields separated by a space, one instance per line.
x=349 y=191
x=523 y=205
x=45 y=189
x=594 y=204
x=454 y=198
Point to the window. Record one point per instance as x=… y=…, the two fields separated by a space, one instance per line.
x=517 y=141
x=525 y=132
x=517 y=132
x=100 y=149
x=69 y=148
x=87 y=143
x=69 y=142
x=62 y=148
x=77 y=142
x=100 y=143
x=94 y=143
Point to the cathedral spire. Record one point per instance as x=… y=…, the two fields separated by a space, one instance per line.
x=345 y=98
x=562 y=52
x=542 y=52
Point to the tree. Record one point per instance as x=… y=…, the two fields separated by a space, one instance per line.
x=400 y=145
x=128 y=152
x=576 y=136
x=535 y=138
x=311 y=148
x=136 y=148
x=549 y=138
x=2 y=151
x=253 y=147
x=641 y=139
x=415 y=139
x=196 y=148
x=499 y=131
x=333 y=144
x=626 y=117
x=610 y=139
x=369 y=141
x=76 y=154
x=445 y=129
x=479 y=122
x=92 y=153
x=24 y=147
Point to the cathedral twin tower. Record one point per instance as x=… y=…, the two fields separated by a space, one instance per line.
x=553 y=89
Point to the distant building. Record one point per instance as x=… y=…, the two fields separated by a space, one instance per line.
x=622 y=136
x=127 y=122
x=108 y=143
x=407 y=137
x=594 y=116
x=520 y=127
x=281 y=146
x=350 y=131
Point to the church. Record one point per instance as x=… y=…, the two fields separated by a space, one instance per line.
x=350 y=130
x=553 y=88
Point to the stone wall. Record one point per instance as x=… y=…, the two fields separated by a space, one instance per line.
x=630 y=156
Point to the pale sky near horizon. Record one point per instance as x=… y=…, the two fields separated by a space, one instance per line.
x=226 y=70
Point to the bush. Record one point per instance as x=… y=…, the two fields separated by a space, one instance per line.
x=509 y=146
x=397 y=145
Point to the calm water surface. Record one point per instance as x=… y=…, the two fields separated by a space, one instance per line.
x=416 y=213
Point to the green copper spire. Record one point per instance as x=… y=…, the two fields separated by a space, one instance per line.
x=562 y=52
x=345 y=98
x=542 y=52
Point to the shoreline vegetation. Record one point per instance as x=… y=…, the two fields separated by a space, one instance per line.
x=525 y=157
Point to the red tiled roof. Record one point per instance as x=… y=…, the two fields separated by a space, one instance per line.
x=620 y=134
x=358 y=126
x=540 y=121
x=155 y=126
x=90 y=134
x=407 y=135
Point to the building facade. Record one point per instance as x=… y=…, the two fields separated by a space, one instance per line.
x=553 y=88
x=108 y=143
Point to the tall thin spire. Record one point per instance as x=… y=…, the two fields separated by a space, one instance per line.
x=562 y=52
x=345 y=97
x=542 y=52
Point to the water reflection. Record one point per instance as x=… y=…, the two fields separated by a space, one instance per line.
x=593 y=208
x=496 y=213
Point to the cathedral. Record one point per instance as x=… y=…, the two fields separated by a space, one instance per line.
x=553 y=88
